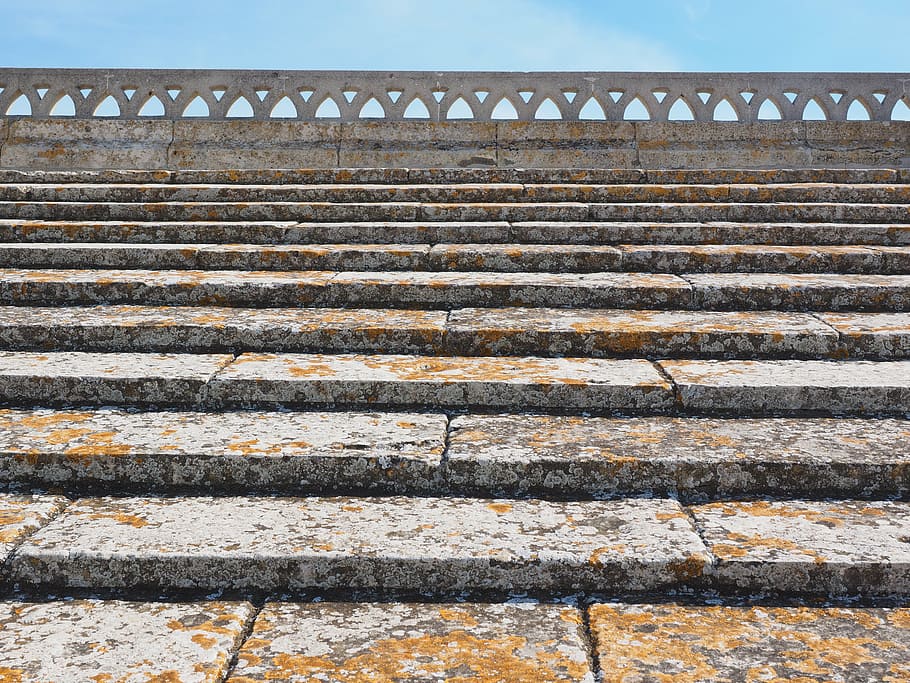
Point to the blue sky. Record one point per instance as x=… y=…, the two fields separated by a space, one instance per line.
x=687 y=35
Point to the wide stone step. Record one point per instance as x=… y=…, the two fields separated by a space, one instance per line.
x=454 y=232
x=875 y=193
x=694 y=458
x=449 y=290
x=486 y=211
x=408 y=544
x=569 y=258
x=596 y=333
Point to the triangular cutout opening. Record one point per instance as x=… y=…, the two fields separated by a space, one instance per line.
x=128 y=93
x=64 y=107
x=857 y=111
x=218 y=93
x=152 y=107
x=417 y=109
x=836 y=95
x=349 y=95
x=107 y=107
x=283 y=109
x=394 y=95
x=791 y=96
x=306 y=94
x=438 y=95
x=197 y=107
x=724 y=111
x=504 y=110
x=680 y=111
x=592 y=111
x=704 y=96
x=636 y=111
x=85 y=91
x=660 y=95
x=747 y=96
x=328 y=109
x=526 y=95
x=570 y=95
x=240 y=109
x=41 y=92
x=768 y=111
x=615 y=95
x=548 y=110
x=880 y=96
x=900 y=112
x=262 y=94
x=19 y=107
x=813 y=111
x=481 y=95
x=460 y=110
x=372 y=110
x=173 y=93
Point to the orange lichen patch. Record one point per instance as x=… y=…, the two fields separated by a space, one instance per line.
x=204 y=640
x=596 y=556
x=500 y=508
x=39 y=422
x=458 y=656
x=169 y=676
x=352 y=508
x=98 y=444
x=134 y=521
x=458 y=616
x=225 y=624
x=59 y=436
x=900 y=618
x=745 y=544
x=571 y=616
x=831 y=517
x=8 y=675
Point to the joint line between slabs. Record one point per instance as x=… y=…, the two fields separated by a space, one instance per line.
x=241 y=639
x=8 y=563
x=590 y=643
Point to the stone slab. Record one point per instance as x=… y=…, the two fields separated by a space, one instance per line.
x=742 y=386
x=206 y=328
x=410 y=544
x=453 y=382
x=21 y=515
x=712 y=643
x=130 y=642
x=75 y=377
x=868 y=144
x=874 y=335
x=553 y=258
x=894 y=259
x=266 y=451
x=816 y=292
x=607 y=332
x=778 y=212
x=820 y=547
x=692 y=457
x=415 y=642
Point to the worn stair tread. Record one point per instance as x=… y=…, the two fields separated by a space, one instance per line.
x=769 y=386
x=882 y=335
x=691 y=457
x=389 y=543
x=822 y=547
x=75 y=377
x=108 y=640
x=412 y=641
x=678 y=642
x=809 y=212
x=452 y=382
x=21 y=515
x=397 y=452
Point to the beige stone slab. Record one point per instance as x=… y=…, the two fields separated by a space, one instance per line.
x=827 y=547
x=387 y=642
x=555 y=258
x=725 y=643
x=211 y=328
x=418 y=144
x=778 y=212
x=774 y=175
x=21 y=515
x=689 y=456
x=394 y=543
x=818 y=291
x=877 y=335
x=610 y=332
x=455 y=382
x=742 y=386
x=512 y=211
x=299 y=451
x=74 y=377
x=130 y=642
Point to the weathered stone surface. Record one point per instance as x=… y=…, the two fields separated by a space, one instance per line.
x=692 y=457
x=820 y=212
x=605 y=332
x=73 y=377
x=877 y=335
x=893 y=259
x=205 y=328
x=562 y=144
x=833 y=547
x=386 y=642
x=554 y=258
x=742 y=386
x=818 y=292
x=454 y=382
x=21 y=515
x=398 y=452
x=868 y=144
x=710 y=644
x=130 y=642
x=415 y=544
x=773 y=175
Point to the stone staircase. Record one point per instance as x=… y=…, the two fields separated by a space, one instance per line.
x=390 y=424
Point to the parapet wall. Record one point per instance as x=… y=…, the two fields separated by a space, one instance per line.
x=145 y=119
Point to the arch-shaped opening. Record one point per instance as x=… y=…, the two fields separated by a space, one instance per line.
x=813 y=111
x=592 y=111
x=240 y=109
x=858 y=111
x=152 y=107
x=548 y=110
x=107 y=107
x=64 y=107
x=284 y=109
x=724 y=111
x=328 y=109
x=372 y=110
x=901 y=111
x=504 y=110
x=769 y=111
x=196 y=108
x=460 y=110
x=680 y=111
x=417 y=109
x=19 y=107
x=636 y=111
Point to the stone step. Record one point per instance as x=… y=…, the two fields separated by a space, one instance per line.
x=449 y=290
x=392 y=543
x=461 y=175
x=569 y=258
x=455 y=232
x=596 y=333
x=486 y=211
x=21 y=516
x=693 y=458
x=874 y=193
